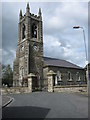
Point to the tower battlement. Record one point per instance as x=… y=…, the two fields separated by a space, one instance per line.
x=29 y=14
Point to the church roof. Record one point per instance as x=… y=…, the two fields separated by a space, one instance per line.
x=59 y=63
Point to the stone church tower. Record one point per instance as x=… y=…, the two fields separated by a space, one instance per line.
x=29 y=54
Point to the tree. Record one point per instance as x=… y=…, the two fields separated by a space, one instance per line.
x=7 y=75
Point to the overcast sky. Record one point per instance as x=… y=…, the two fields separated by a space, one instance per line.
x=60 y=39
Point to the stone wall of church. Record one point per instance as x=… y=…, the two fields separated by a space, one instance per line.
x=71 y=89
x=45 y=71
x=68 y=76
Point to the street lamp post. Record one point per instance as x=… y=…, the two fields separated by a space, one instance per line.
x=77 y=27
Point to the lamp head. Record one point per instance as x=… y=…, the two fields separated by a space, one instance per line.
x=76 y=27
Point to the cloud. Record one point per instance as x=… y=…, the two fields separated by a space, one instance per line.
x=63 y=17
x=60 y=40
x=60 y=24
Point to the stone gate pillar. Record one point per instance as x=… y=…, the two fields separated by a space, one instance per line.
x=50 y=75
x=30 y=79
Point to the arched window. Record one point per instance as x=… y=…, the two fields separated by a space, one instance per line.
x=21 y=71
x=78 y=78
x=69 y=75
x=23 y=31
x=34 y=31
x=58 y=78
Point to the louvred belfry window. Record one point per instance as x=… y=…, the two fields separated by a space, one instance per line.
x=34 y=31
x=23 y=31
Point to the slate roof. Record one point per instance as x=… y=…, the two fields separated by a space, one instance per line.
x=59 y=63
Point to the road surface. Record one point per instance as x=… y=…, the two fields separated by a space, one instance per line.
x=47 y=105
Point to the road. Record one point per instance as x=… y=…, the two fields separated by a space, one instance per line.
x=47 y=105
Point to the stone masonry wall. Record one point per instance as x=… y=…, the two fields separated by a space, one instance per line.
x=71 y=89
x=14 y=90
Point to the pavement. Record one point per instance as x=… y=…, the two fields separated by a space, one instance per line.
x=6 y=100
x=47 y=105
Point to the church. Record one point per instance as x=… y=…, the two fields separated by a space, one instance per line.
x=30 y=59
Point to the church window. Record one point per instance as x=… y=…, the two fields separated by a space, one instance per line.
x=26 y=72
x=34 y=31
x=21 y=71
x=58 y=78
x=58 y=75
x=69 y=75
x=23 y=31
x=78 y=76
